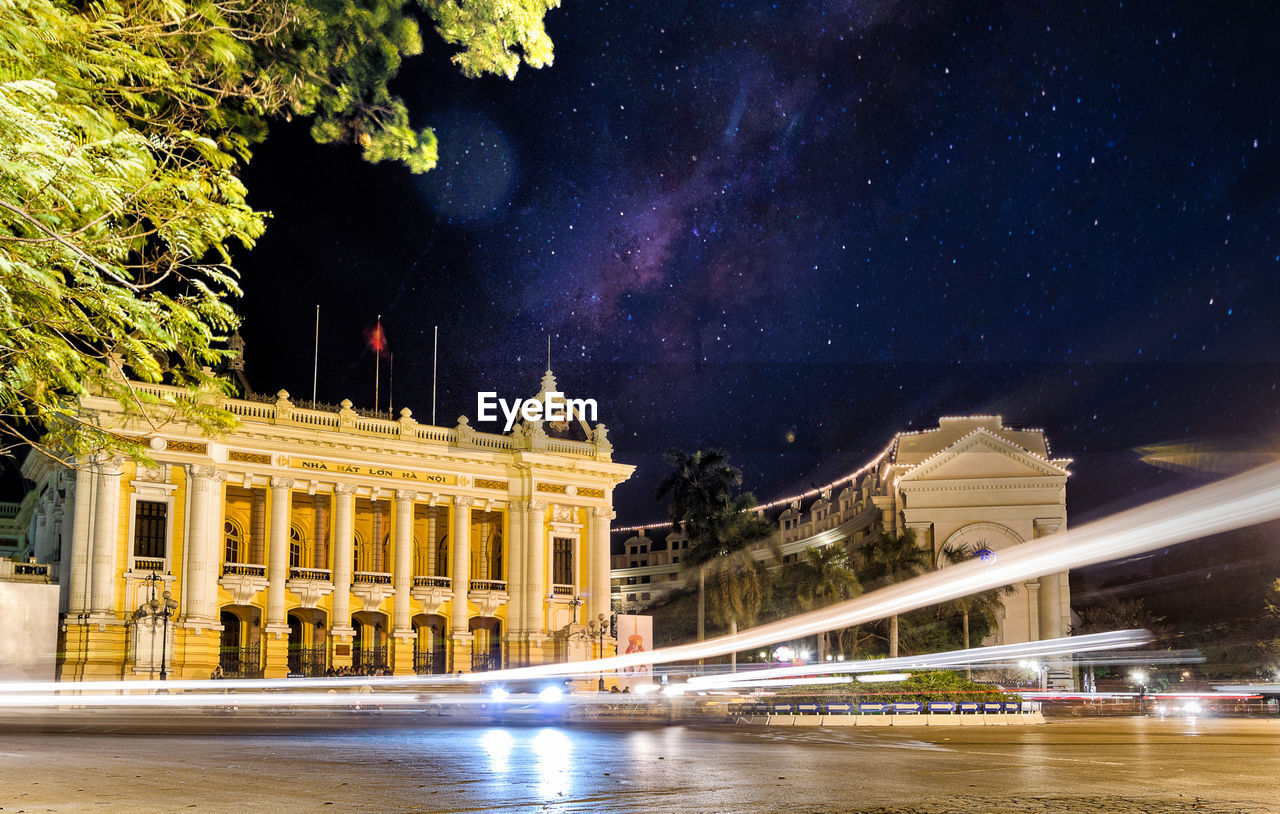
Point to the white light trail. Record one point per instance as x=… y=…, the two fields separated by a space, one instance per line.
x=319 y=699
x=1243 y=500
x=952 y=658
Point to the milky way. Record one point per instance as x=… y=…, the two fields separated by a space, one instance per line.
x=795 y=230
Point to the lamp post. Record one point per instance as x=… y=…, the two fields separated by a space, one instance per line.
x=576 y=602
x=599 y=627
x=1139 y=677
x=161 y=607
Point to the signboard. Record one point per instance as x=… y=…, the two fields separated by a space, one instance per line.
x=340 y=468
x=635 y=635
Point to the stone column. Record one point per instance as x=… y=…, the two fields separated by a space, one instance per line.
x=340 y=624
x=1051 y=610
x=460 y=560
x=258 y=527
x=1033 y=610
x=402 y=581
x=433 y=538
x=375 y=543
x=320 y=550
x=516 y=527
x=201 y=567
x=277 y=629
x=535 y=557
x=77 y=579
x=106 y=537
x=599 y=563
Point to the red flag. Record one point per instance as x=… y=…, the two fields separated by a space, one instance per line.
x=377 y=339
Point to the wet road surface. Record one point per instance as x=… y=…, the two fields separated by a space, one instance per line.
x=1124 y=764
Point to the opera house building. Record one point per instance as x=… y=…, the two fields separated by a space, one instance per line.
x=310 y=540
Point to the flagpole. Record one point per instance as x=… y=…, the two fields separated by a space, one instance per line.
x=315 y=368
x=391 y=385
x=377 y=363
x=435 y=352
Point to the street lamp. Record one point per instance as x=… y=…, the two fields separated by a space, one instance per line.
x=1140 y=678
x=576 y=602
x=599 y=628
x=161 y=607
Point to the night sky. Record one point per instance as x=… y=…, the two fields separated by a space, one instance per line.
x=793 y=229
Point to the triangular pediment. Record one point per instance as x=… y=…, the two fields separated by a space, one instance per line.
x=983 y=454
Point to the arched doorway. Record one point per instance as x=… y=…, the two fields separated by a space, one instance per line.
x=486 y=643
x=429 y=646
x=308 y=646
x=239 y=655
x=369 y=645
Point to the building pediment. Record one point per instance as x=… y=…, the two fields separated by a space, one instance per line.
x=983 y=454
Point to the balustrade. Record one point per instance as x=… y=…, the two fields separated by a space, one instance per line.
x=243 y=569
x=432 y=582
x=371 y=578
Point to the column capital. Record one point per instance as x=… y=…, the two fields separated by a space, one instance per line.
x=538 y=505
x=344 y=489
x=1033 y=586
x=518 y=504
x=205 y=472
x=603 y=511
x=406 y=495
x=462 y=501
x=280 y=482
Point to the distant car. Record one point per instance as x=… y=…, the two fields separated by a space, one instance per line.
x=534 y=702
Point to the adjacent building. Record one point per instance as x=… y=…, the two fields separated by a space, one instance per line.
x=972 y=481
x=308 y=539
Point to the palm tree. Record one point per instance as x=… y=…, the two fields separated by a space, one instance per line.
x=986 y=604
x=822 y=577
x=886 y=559
x=700 y=488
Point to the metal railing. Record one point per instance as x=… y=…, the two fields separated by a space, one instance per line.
x=485 y=662
x=311 y=574
x=371 y=578
x=348 y=419
x=372 y=658
x=429 y=662
x=309 y=661
x=243 y=569
x=149 y=564
x=562 y=590
x=240 y=662
x=488 y=585
x=432 y=582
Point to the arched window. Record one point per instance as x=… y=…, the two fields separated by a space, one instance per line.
x=359 y=557
x=233 y=549
x=295 y=547
x=442 y=556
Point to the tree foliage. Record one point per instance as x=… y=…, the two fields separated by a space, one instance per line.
x=123 y=124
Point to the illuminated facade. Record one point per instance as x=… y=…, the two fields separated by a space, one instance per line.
x=306 y=540
x=970 y=482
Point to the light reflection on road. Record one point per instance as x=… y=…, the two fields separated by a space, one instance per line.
x=555 y=761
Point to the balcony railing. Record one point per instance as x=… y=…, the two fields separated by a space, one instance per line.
x=485 y=662
x=488 y=585
x=243 y=569
x=308 y=661
x=562 y=590
x=429 y=662
x=311 y=574
x=371 y=578
x=281 y=410
x=366 y=659
x=432 y=582
x=240 y=662
x=149 y=564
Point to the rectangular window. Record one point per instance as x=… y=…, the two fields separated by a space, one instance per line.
x=150 y=523
x=562 y=561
